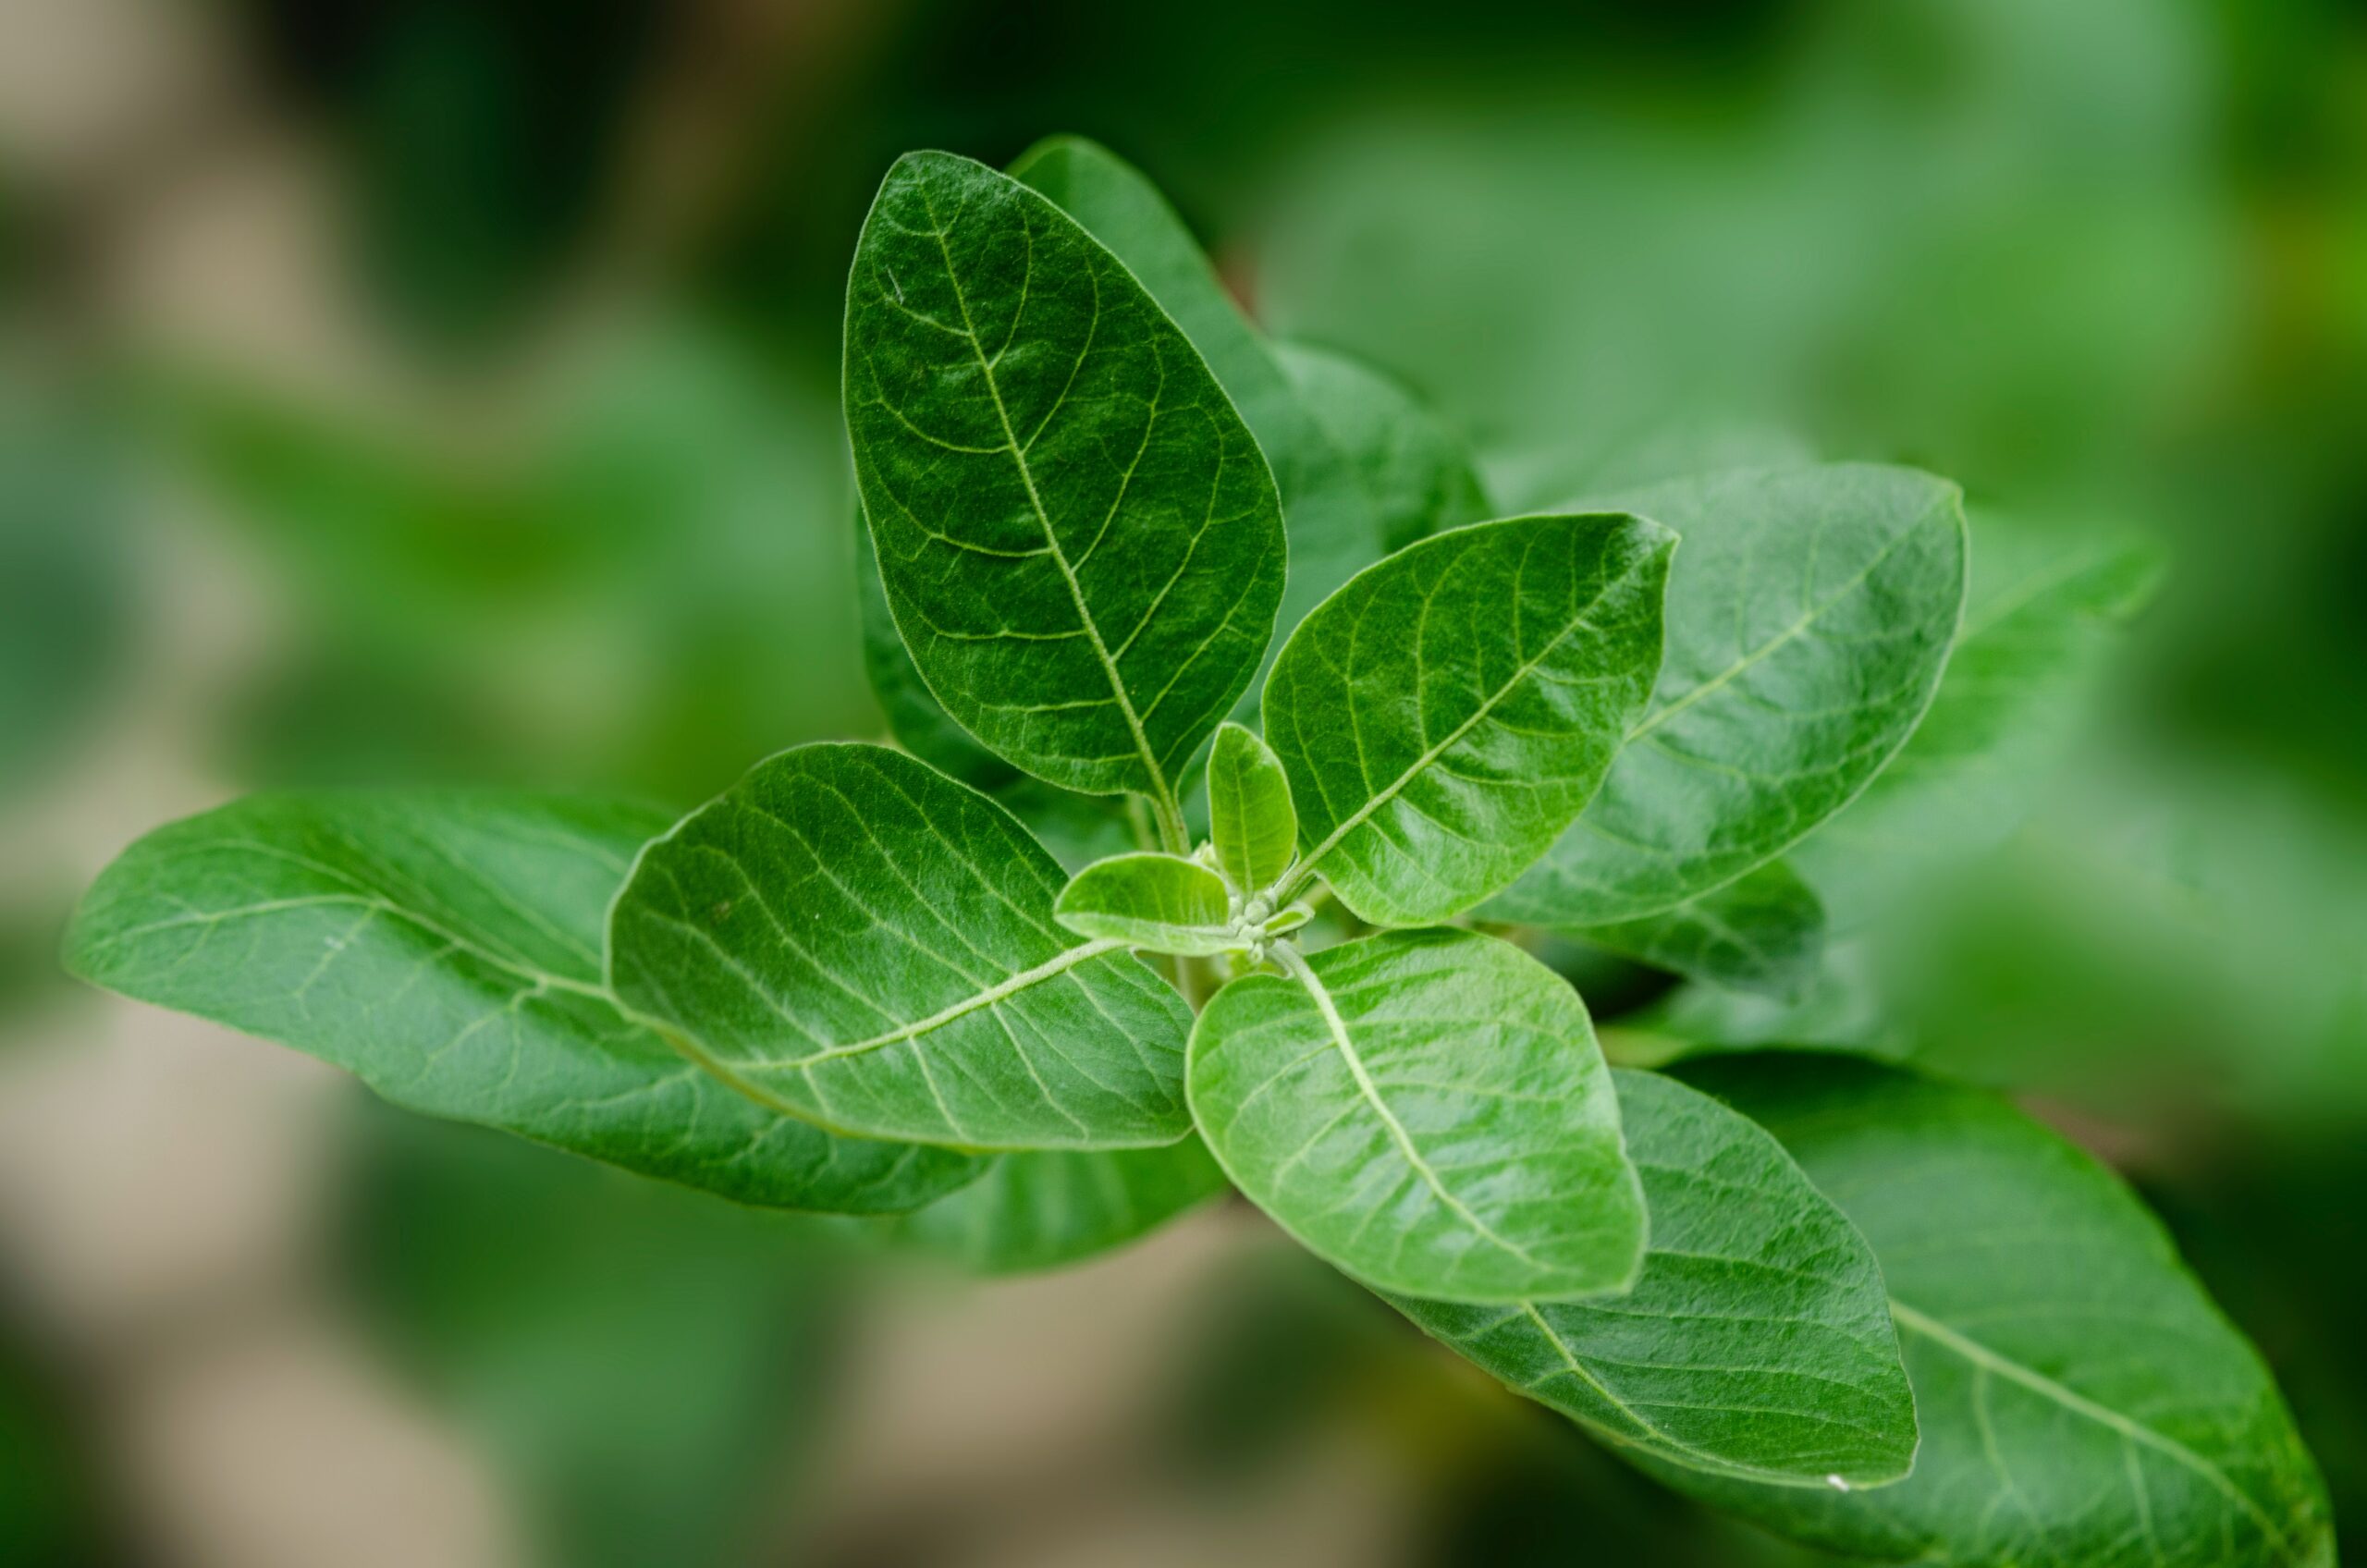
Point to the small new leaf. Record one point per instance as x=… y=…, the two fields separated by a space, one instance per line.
x=854 y=939
x=1164 y=903
x=1251 y=821
x=445 y=947
x=1444 y=716
x=1757 y=1343
x=1077 y=534
x=1428 y=1110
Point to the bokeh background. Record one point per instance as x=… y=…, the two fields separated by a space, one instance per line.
x=411 y=390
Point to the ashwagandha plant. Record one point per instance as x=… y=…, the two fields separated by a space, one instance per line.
x=1873 y=1310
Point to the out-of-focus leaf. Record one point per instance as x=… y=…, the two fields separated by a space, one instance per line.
x=1445 y=716
x=1763 y=932
x=1809 y=612
x=1757 y=1343
x=645 y=1371
x=446 y=949
x=2041 y=624
x=1841 y=1006
x=1427 y=1110
x=2081 y=1399
x=1048 y=1209
x=856 y=939
x=64 y=594
x=1419 y=476
x=1079 y=538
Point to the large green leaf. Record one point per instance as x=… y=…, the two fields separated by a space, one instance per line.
x=1052 y=1207
x=916 y=717
x=1428 y=1110
x=445 y=949
x=2082 y=1401
x=2042 y=620
x=1336 y=528
x=1762 y=932
x=1446 y=714
x=1167 y=903
x=1418 y=477
x=1251 y=820
x=1078 y=536
x=1808 y=617
x=1757 y=1342
x=854 y=939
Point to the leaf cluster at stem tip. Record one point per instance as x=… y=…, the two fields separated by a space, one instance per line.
x=1210 y=650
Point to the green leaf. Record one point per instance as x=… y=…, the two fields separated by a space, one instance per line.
x=1054 y=1207
x=1757 y=1343
x=1166 y=903
x=2045 y=616
x=1842 y=1007
x=2082 y=1401
x=1077 y=534
x=915 y=717
x=1445 y=716
x=1807 y=621
x=445 y=947
x=1252 y=822
x=1427 y=1110
x=1418 y=477
x=1763 y=932
x=1078 y=829
x=854 y=939
x=1336 y=528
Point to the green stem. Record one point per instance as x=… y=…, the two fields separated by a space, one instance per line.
x=1173 y=837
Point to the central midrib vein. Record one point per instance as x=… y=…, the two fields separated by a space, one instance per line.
x=1807 y=617
x=1290 y=959
x=1396 y=785
x=1163 y=794
x=2047 y=1388
x=1059 y=963
x=1696 y=1458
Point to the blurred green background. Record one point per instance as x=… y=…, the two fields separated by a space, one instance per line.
x=437 y=389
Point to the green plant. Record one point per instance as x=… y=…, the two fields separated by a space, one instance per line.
x=1882 y=1313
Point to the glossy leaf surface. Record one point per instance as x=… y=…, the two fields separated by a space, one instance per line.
x=1444 y=716
x=445 y=947
x=1328 y=510
x=1078 y=536
x=1252 y=822
x=859 y=940
x=1757 y=1342
x=2081 y=1399
x=1166 y=903
x=1808 y=617
x=1427 y=1110
x=1053 y=1207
